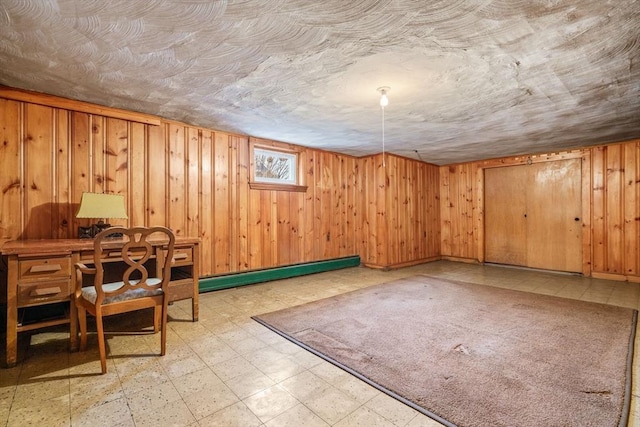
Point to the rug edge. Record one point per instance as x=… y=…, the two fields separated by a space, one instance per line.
x=626 y=404
x=356 y=374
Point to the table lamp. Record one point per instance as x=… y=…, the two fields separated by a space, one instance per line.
x=99 y=206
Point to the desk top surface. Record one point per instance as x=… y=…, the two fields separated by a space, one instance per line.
x=64 y=246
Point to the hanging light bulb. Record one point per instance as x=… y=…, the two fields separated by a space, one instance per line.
x=384 y=99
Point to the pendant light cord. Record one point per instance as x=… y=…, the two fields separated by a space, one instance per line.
x=383 y=163
x=383 y=103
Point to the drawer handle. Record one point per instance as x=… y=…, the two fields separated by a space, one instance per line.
x=45 y=268
x=117 y=254
x=179 y=256
x=39 y=292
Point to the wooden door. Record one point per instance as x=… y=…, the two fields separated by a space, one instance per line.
x=533 y=215
x=554 y=220
x=505 y=207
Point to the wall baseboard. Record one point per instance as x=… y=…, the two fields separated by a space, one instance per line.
x=233 y=280
x=617 y=277
x=401 y=264
x=460 y=259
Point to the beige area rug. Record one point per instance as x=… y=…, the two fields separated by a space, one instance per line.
x=473 y=355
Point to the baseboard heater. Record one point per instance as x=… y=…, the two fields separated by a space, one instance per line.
x=232 y=280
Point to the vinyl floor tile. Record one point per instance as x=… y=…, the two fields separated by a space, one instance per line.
x=228 y=370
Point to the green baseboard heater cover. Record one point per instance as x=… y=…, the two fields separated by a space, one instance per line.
x=232 y=280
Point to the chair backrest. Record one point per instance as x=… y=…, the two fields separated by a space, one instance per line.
x=132 y=248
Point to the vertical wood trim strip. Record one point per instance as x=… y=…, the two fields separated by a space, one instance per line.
x=614 y=201
x=630 y=207
x=587 y=202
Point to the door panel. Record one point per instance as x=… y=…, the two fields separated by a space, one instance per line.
x=554 y=203
x=505 y=223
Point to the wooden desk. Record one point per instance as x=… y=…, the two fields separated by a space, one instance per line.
x=39 y=275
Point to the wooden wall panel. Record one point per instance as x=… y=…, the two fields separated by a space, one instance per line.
x=265 y=251
x=324 y=211
x=338 y=205
x=598 y=198
x=406 y=213
x=81 y=168
x=11 y=184
x=632 y=208
x=400 y=211
x=137 y=178
x=380 y=205
x=616 y=210
x=255 y=230
x=97 y=153
x=193 y=185
x=178 y=175
x=241 y=208
x=353 y=210
x=429 y=211
x=207 y=223
x=117 y=177
x=367 y=190
x=632 y=211
x=458 y=210
x=221 y=239
x=394 y=192
x=157 y=177
x=308 y=214
x=283 y=235
x=38 y=171
x=62 y=210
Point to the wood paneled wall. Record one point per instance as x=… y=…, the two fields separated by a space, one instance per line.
x=616 y=209
x=196 y=181
x=400 y=211
x=610 y=213
x=286 y=227
x=460 y=211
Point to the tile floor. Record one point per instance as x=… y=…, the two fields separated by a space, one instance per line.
x=227 y=370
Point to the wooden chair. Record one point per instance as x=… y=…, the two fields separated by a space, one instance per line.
x=134 y=289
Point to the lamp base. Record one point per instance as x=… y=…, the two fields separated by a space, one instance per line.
x=101 y=226
x=93 y=230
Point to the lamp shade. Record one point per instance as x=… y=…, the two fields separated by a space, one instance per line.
x=100 y=205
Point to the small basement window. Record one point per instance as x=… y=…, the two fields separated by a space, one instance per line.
x=275 y=169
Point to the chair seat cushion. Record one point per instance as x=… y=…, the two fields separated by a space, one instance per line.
x=89 y=292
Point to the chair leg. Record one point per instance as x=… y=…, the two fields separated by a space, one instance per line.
x=163 y=329
x=82 y=320
x=101 y=343
x=157 y=318
x=73 y=326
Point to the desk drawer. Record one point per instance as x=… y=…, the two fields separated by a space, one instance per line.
x=113 y=255
x=46 y=268
x=43 y=292
x=182 y=256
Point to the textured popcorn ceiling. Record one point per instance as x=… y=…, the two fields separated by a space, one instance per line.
x=469 y=79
